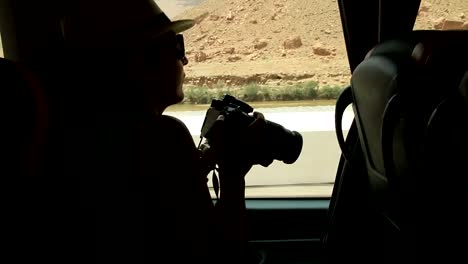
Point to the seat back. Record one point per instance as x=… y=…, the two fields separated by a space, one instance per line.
x=400 y=94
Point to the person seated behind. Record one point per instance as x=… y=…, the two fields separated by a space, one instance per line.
x=146 y=197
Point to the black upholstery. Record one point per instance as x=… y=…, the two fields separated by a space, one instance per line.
x=411 y=119
x=422 y=83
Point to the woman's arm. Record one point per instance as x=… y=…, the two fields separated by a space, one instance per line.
x=235 y=154
x=210 y=231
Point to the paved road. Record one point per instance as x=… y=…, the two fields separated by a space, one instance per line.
x=320 y=153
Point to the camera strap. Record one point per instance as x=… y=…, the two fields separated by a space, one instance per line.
x=214 y=176
x=215 y=180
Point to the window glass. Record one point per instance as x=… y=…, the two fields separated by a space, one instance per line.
x=442 y=15
x=1 y=47
x=285 y=58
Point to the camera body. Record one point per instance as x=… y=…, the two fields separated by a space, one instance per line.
x=282 y=144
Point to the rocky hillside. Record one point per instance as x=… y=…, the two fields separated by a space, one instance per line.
x=443 y=15
x=283 y=41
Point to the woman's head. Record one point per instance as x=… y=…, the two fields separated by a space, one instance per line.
x=157 y=68
x=129 y=43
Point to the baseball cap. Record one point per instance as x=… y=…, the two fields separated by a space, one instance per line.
x=99 y=23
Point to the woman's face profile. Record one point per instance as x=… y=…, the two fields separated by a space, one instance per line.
x=158 y=71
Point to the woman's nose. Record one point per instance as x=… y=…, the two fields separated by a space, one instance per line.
x=184 y=60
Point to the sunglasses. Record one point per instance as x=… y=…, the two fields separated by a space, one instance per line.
x=180 y=49
x=175 y=42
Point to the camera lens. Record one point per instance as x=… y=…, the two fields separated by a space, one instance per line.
x=284 y=144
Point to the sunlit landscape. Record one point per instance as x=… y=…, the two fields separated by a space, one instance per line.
x=287 y=59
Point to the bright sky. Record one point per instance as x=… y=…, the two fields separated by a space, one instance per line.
x=171 y=7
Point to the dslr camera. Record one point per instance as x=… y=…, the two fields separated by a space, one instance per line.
x=282 y=144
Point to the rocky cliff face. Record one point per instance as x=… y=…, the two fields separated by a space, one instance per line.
x=277 y=41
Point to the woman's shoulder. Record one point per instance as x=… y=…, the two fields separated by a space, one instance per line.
x=169 y=130
x=172 y=126
x=172 y=122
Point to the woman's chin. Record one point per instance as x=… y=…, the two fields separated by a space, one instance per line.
x=180 y=97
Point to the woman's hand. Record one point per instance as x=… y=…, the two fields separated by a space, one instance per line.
x=235 y=151
x=242 y=148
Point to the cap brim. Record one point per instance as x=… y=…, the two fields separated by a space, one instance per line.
x=177 y=26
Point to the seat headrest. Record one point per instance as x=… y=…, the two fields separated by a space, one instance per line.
x=428 y=46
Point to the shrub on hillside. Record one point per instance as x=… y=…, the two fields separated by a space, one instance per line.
x=255 y=93
x=198 y=95
x=311 y=90
x=329 y=92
